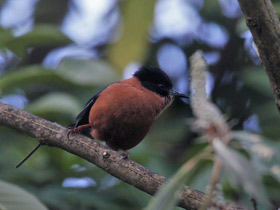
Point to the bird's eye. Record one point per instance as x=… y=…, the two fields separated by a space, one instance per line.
x=161 y=85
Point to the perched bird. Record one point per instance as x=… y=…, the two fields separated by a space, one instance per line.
x=122 y=113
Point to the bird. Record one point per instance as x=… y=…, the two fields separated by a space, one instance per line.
x=122 y=113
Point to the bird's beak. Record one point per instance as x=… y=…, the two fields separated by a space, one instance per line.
x=175 y=93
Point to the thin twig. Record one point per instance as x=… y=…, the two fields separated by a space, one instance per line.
x=217 y=170
x=27 y=156
x=255 y=204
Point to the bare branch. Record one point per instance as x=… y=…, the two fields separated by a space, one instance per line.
x=264 y=25
x=29 y=155
x=52 y=134
x=215 y=177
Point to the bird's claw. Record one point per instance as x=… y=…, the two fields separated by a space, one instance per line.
x=71 y=131
x=125 y=154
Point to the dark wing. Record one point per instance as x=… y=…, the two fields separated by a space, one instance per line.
x=82 y=118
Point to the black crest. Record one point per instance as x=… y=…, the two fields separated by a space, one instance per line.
x=154 y=79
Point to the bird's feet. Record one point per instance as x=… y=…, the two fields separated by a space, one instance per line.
x=125 y=154
x=78 y=129
x=71 y=131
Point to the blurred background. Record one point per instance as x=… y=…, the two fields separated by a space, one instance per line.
x=54 y=55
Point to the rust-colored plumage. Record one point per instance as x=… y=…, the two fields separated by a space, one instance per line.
x=122 y=113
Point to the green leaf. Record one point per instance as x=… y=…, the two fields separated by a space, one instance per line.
x=167 y=197
x=241 y=26
x=6 y=35
x=28 y=76
x=42 y=35
x=55 y=103
x=87 y=72
x=277 y=7
x=133 y=45
x=256 y=78
x=69 y=72
x=263 y=152
x=242 y=173
x=13 y=197
x=200 y=176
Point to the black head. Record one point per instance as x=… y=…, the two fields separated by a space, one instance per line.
x=156 y=80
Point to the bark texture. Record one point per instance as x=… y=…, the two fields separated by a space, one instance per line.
x=52 y=134
x=264 y=25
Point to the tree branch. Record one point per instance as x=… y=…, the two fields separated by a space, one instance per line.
x=52 y=134
x=264 y=25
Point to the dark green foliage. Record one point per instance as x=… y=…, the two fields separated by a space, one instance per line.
x=241 y=90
